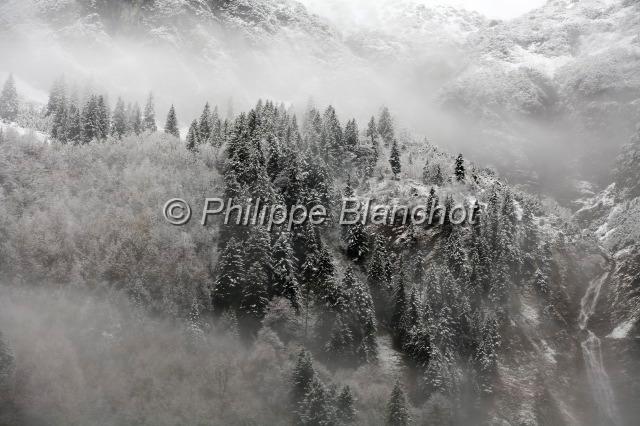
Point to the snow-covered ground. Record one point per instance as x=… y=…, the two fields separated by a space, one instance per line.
x=622 y=330
x=13 y=127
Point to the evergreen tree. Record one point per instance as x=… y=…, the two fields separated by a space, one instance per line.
x=385 y=127
x=340 y=344
x=418 y=344
x=255 y=296
x=540 y=283
x=361 y=313
x=303 y=374
x=283 y=271
x=486 y=357
x=377 y=278
x=192 y=137
x=372 y=133
x=102 y=119
x=57 y=96
x=332 y=140
x=399 y=307
x=217 y=129
x=316 y=409
x=135 y=120
x=367 y=351
x=397 y=410
x=74 y=124
x=119 y=123
x=317 y=275
x=149 y=119
x=439 y=376
x=230 y=278
x=171 y=125
x=345 y=409
x=93 y=120
x=9 y=100
x=455 y=254
x=205 y=126
x=394 y=160
x=351 y=135
x=459 y=169
x=357 y=242
x=59 y=124
x=426 y=172
x=274 y=161
x=479 y=257
x=254 y=292
x=438 y=177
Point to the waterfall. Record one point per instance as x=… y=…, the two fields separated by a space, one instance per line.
x=592 y=353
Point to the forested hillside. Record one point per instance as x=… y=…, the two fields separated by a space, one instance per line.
x=125 y=318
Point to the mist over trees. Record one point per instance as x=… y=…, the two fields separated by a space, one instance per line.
x=329 y=304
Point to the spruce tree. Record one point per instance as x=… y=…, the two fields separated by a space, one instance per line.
x=340 y=344
x=230 y=278
x=149 y=120
x=438 y=177
x=205 y=125
x=351 y=135
x=284 y=281
x=367 y=351
x=397 y=411
x=372 y=133
x=378 y=281
x=89 y=119
x=254 y=292
x=332 y=144
x=192 y=137
x=459 y=169
x=59 y=124
x=486 y=357
x=119 y=123
x=303 y=374
x=399 y=308
x=217 y=129
x=102 y=119
x=171 y=125
x=426 y=173
x=9 y=100
x=74 y=124
x=57 y=96
x=385 y=127
x=394 y=160
x=316 y=408
x=135 y=120
x=345 y=409
x=274 y=161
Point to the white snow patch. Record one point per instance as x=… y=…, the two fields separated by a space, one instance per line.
x=605 y=198
x=519 y=210
x=549 y=353
x=622 y=330
x=545 y=64
x=39 y=136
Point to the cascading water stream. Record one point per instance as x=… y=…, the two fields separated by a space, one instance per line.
x=592 y=353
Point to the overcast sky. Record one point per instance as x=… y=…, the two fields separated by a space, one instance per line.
x=502 y=9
